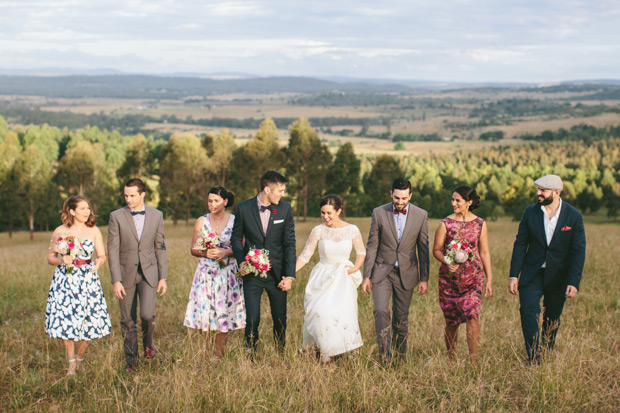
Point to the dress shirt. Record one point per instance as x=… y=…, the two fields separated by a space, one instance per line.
x=550 y=224
x=400 y=220
x=138 y=221
x=264 y=215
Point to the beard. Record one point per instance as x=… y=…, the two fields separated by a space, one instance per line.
x=545 y=200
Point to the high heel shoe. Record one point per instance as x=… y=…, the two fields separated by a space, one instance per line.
x=80 y=364
x=69 y=372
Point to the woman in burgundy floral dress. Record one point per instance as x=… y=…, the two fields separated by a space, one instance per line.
x=460 y=286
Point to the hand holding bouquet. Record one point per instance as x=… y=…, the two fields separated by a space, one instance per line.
x=256 y=262
x=458 y=252
x=207 y=241
x=69 y=245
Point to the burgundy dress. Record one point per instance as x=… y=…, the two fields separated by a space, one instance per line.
x=460 y=295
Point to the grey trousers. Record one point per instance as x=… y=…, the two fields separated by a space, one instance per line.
x=141 y=291
x=391 y=286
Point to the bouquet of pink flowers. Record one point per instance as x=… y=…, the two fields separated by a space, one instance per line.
x=207 y=241
x=458 y=252
x=256 y=262
x=69 y=245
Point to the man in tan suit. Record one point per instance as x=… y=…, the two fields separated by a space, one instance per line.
x=397 y=260
x=137 y=259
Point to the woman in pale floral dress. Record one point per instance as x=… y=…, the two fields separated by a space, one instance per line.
x=330 y=299
x=216 y=297
x=461 y=286
x=76 y=309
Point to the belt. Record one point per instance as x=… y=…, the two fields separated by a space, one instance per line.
x=79 y=263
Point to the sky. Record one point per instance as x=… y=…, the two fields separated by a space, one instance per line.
x=449 y=41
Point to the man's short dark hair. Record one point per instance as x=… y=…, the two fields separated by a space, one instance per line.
x=137 y=183
x=270 y=178
x=401 y=183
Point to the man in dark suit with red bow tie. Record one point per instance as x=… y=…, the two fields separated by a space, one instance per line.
x=549 y=253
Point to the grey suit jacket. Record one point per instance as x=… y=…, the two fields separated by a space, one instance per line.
x=126 y=252
x=383 y=247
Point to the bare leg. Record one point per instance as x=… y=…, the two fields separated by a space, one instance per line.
x=473 y=339
x=70 y=348
x=220 y=344
x=451 y=336
x=81 y=350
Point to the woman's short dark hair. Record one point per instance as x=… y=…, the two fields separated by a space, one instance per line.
x=71 y=204
x=469 y=194
x=333 y=200
x=272 y=177
x=137 y=182
x=224 y=193
x=401 y=183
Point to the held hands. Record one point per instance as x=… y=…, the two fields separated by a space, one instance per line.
x=161 y=285
x=571 y=291
x=285 y=284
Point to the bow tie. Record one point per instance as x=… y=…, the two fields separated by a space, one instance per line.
x=137 y=213
x=402 y=211
x=263 y=208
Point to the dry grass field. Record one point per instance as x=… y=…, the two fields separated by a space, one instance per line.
x=583 y=374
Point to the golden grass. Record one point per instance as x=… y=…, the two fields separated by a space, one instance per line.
x=583 y=373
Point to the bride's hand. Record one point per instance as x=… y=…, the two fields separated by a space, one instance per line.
x=350 y=269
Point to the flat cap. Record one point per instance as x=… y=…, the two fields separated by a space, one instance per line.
x=550 y=182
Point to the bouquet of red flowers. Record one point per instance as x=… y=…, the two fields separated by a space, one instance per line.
x=256 y=262
x=69 y=245
x=459 y=253
x=206 y=241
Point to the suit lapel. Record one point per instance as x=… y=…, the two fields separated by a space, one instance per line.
x=254 y=212
x=561 y=222
x=389 y=213
x=409 y=223
x=130 y=223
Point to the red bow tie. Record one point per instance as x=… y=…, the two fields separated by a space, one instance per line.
x=403 y=211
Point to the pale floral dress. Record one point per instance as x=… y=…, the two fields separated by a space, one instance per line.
x=216 y=297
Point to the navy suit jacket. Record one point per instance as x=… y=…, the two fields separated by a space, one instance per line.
x=565 y=255
x=279 y=241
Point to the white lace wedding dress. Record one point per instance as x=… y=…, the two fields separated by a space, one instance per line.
x=330 y=299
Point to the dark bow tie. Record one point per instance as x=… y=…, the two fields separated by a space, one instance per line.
x=263 y=208
x=402 y=211
x=137 y=213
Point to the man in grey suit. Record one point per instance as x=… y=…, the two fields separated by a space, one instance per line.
x=137 y=259
x=397 y=260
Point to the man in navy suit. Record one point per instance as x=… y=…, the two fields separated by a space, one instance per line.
x=549 y=253
x=266 y=222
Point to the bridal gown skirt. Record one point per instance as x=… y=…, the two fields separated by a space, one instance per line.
x=330 y=303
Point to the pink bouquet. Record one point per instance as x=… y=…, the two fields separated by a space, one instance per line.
x=207 y=241
x=256 y=262
x=458 y=253
x=69 y=245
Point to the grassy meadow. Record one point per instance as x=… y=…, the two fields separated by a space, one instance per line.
x=583 y=374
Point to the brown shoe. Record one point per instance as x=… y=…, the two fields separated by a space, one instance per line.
x=149 y=352
x=131 y=369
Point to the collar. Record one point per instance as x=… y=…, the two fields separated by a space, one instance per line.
x=557 y=213
x=138 y=210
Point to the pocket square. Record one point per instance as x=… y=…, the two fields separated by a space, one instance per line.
x=279 y=221
x=567 y=228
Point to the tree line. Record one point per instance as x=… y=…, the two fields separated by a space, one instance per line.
x=41 y=165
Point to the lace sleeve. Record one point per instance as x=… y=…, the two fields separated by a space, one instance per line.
x=310 y=246
x=358 y=243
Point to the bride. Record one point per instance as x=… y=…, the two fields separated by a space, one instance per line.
x=330 y=300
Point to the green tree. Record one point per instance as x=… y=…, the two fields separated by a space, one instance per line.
x=343 y=177
x=223 y=147
x=10 y=209
x=307 y=163
x=378 y=184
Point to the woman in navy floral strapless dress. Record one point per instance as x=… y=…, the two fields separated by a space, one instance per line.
x=461 y=286
x=76 y=308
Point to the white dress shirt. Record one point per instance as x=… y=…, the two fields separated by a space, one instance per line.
x=550 y=224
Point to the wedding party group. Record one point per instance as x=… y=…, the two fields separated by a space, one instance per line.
x=241 y=256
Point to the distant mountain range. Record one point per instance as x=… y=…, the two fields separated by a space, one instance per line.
x=112 y=83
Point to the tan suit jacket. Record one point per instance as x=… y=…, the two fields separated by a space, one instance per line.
x=383 y=248
x=126 y=251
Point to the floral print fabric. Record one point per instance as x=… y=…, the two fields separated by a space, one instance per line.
x=216 y=297
x=76 y=308
x=460 y=295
